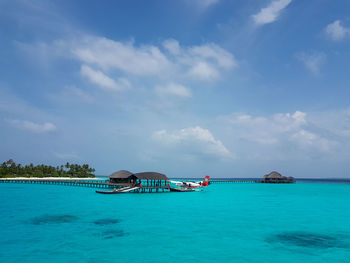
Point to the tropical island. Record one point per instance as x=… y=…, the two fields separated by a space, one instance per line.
x=10 y=169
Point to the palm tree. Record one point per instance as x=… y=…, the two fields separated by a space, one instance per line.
x=10 y=162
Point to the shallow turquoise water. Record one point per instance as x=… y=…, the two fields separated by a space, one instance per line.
x=226 y=223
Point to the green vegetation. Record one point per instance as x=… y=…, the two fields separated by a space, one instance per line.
x=11 y=169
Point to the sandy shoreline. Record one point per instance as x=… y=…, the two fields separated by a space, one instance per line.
x=49 y=178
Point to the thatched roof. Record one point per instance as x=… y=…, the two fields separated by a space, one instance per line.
x=151 y=176
x=121 y=174
x=274 y=175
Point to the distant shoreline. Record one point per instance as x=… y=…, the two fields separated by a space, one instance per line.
x=49 y=178
x=10 y=169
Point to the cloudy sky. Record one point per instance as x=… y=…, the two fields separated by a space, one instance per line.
x=230 y=88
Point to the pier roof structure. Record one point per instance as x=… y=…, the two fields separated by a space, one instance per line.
x=121 y=174
x=126 y=177
x=151 y=176
x=275 y=177
x=124 y=174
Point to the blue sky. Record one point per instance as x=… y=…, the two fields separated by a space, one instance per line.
x=187 y=87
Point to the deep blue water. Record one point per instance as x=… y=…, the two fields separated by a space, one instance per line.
x=303 y=222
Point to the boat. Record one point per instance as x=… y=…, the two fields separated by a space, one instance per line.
x=182 y=190
x=119 y=191
x=108 y=192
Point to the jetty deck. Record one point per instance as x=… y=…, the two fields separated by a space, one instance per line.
x=100 y=183
x=96 y=183
x=110 y=187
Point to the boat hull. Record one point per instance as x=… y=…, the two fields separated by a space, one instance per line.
x=181 y=190
x=108 y=192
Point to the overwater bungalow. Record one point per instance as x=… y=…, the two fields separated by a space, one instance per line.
x=147 y=182
x=122 y=177
x=126 y=178
x=277 y=178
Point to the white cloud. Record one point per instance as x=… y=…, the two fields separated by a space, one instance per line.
x=204 y=71
x=336 y=31
x=313 y=61
x=172 y=46
x=99 y=78
x=170 y=60
x=281 y=135
x=109 y=54
x=174 y=90
x=194 y=140
x=267 y=130
x=116 y=65
x=223 y=58
x=14 y=108
x=111 y=64
x=307 y=139
x=336 y=122
x=270 y=13
x=32 y=126
x=207 y=61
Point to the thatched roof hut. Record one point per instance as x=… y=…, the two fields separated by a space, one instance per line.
x=126 y=177
x=151 y=176
x=120 y=174
x=275 y=177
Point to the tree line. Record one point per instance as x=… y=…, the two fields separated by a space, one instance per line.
x=11 y=169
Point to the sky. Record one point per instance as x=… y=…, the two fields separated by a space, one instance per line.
x=229 y=88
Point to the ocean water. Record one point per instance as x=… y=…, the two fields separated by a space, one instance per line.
x=303 y=222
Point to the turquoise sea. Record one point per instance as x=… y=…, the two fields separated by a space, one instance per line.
x=302 y=222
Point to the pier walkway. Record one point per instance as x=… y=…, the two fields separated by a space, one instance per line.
x=68 y=182
x=99 y=183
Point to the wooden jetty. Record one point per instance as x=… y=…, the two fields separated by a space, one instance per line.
x=90 y=183
x=126 y=182
x=120 y=182
x=106 y=184
x=68 y=182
